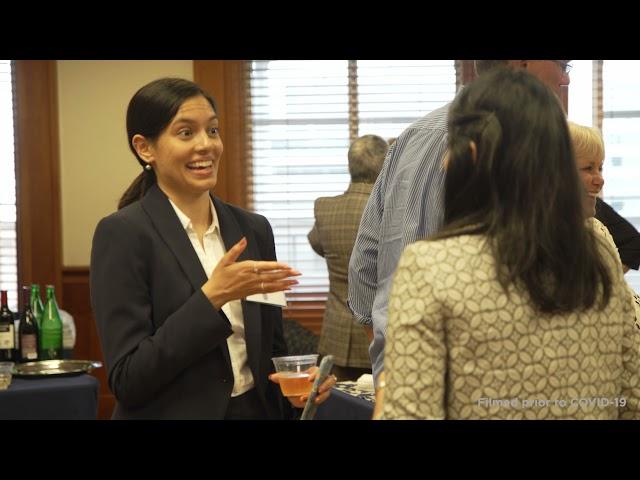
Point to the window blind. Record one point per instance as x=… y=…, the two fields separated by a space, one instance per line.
x=393 y=94
x=620 y=127
x=8 y=251
x=302 y=116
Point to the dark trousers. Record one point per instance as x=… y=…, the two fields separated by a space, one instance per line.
x=246 y=407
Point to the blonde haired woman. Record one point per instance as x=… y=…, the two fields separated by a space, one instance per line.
x=588 y=147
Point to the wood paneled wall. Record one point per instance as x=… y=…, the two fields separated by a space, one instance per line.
x=77 y=302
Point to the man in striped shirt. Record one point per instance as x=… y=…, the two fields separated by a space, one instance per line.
x=406 y=205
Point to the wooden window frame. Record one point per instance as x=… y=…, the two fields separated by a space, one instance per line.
x=38 y=219
x=226 y=81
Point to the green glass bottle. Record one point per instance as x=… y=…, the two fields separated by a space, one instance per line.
x=36 y=304
x=50 y=328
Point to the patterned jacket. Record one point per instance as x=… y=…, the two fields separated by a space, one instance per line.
x=458 y=347
x=603 y=230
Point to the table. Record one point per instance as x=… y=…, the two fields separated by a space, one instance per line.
x=346 y=402
x=50 y=398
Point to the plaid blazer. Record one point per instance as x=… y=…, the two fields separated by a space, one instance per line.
x=333 y=235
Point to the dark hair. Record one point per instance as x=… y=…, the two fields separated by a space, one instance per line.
x=366 y=156
x=522 y=190
x=150 y=111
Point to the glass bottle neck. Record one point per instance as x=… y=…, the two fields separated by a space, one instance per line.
x=50 y=292
x=26 y=297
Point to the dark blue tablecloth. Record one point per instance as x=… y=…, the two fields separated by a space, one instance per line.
x=343 y=406
x=50 y=398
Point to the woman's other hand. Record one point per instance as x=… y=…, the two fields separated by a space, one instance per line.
x=323 y=392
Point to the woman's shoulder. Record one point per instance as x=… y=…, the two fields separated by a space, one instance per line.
x=127 y=218
x=602 y=234
x=453 y=251
x=598 y=227
x=459 y=244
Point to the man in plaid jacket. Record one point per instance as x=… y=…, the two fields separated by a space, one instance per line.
x=333 y=236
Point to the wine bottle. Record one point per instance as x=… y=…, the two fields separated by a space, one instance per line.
x=50 y=328
x=36 y=304
x=7 y=335
x=28 y=330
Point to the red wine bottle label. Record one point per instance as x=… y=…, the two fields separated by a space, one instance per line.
x=6 y=337
x=28 y=347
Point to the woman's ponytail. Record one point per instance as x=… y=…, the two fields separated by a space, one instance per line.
x=138 y=188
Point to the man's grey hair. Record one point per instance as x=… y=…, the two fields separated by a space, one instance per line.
x=366 y=155
x=483 y=66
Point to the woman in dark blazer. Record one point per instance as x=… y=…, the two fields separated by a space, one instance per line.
x=171 y=270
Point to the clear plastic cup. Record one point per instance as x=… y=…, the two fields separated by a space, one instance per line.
x=294 y=375
x=6 y=373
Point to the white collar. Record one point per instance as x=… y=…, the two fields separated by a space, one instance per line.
x=186 y=221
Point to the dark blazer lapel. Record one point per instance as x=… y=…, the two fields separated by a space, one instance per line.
x=163 y=216
x=231 y=231
x=231 y=234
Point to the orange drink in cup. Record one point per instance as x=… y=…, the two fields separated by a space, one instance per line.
x=293 y=374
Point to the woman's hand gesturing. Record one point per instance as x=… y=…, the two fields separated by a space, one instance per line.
x=233 y=280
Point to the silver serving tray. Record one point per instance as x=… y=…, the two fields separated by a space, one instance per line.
x=47 y=368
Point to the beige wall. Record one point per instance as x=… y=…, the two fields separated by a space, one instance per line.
x=96 y=165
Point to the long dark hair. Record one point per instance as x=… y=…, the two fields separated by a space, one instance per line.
x=150 y=111
x=522 y=190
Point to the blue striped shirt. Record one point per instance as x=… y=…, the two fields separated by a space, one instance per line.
x=406 y=204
